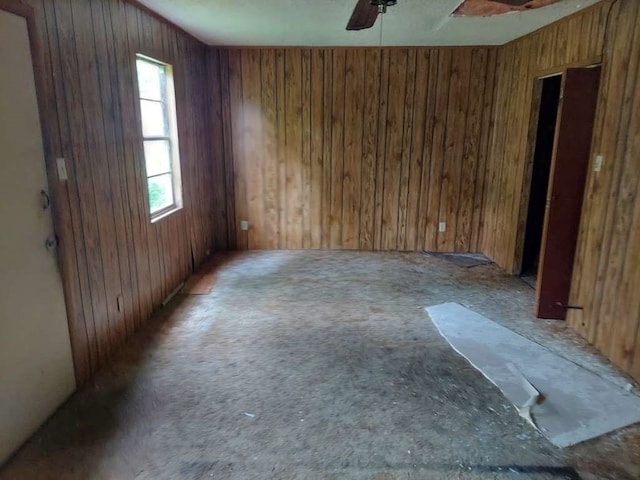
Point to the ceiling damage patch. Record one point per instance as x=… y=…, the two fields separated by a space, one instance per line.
x=487 y=8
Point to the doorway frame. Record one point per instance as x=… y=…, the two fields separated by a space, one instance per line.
x=536 y=96
x=57 y=190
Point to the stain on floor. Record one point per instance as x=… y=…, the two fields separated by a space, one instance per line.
x=318 y=365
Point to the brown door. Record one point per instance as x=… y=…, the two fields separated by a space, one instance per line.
x=564 y=200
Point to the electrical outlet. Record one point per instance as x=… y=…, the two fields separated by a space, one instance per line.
x=244 y=225
x=597 y=164
x=62 y=169
x=442 y=227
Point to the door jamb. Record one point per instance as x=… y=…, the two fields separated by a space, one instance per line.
x=532 y=136
x=538 y=75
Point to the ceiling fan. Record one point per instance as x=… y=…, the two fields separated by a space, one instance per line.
x=366 y=12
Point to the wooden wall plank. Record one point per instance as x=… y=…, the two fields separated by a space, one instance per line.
x=371 y=91
x=270 y=150
x=405 y=169
x=483 y=178
x=306 y=149
x=282 y=149
x=293 y=146
x=138 y=203
x=438 y=158
x=393 y=153
x=453 y=161
x=252 y=142
x=424 y=213
x=417 y=134
x=327 y=112
x=317 y=146
x=229 y=174
x=383 y=112
x=238 y=145
x=353 y=134
x=72 y=76
x=337 y=147
x=470 y=178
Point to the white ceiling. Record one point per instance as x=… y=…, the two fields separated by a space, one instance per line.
x=323 y=22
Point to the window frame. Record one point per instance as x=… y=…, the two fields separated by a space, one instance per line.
x=168 y=102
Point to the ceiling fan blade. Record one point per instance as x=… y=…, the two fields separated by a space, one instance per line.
x=364 y=16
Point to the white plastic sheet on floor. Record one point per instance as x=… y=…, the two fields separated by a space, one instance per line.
x=567 y=403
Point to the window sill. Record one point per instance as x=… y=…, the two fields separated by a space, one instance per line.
x=164 y=214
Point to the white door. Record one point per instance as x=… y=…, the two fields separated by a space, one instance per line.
x=36 y=369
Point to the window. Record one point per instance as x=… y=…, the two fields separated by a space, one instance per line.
x=159 y=136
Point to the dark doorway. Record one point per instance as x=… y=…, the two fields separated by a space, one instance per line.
x=546 y=129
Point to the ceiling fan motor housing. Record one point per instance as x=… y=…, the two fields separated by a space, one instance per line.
x=383 y=4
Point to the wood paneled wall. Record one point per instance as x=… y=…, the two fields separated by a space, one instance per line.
x=606 y=278
x=358 y=148
x=117 y=265
x=607 y=269
x=575 y=41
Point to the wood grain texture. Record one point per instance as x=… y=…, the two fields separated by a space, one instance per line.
x=518 y=64
x=374 y=148
x=606 y=278
x=118 y=266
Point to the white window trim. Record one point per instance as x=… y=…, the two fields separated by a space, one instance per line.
x=174 y=143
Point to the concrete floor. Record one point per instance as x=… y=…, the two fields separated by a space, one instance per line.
x=318 y=365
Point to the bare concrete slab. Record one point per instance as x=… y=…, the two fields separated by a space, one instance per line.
x=566 y=402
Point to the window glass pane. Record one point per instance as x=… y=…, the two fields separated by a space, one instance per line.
x=160 y=192
x=157 y=156
x=150 y=80
x=153 y=119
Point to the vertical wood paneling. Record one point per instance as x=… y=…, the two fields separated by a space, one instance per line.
x=454 y=148
x=393 y=150
x=383 y=111
x=606 y=275
x=374 y=148
x=351 y=181
x=337 y=148
x=316 y=126
x=438 y=159
x=417 y=134
x=371 y=93
x=293 y=147
x=270 y=167
x=119 y=266
x=469 y=178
